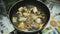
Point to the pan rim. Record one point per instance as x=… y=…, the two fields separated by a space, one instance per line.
x=28 y=31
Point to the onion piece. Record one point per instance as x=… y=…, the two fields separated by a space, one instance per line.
x=38 y=20
x=35 y=9
x=20 y=9
x=22 y=19
x=41 y=25
x=26 y=14
x=25 y=8
x=34 y=16
x=14 y=19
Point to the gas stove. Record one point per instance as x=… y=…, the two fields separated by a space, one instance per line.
x=7 y=28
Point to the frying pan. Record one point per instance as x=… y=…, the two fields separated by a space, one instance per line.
x=36 y=3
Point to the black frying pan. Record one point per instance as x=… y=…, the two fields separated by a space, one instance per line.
x=38 y=4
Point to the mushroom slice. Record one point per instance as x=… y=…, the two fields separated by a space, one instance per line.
x=27 y=26
x=30 y=10
x=19 y=13
x=20 y=9
x=14 y=19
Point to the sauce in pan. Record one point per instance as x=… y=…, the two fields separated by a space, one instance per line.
x=28 y=18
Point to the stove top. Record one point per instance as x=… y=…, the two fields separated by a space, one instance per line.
x=7 y=28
